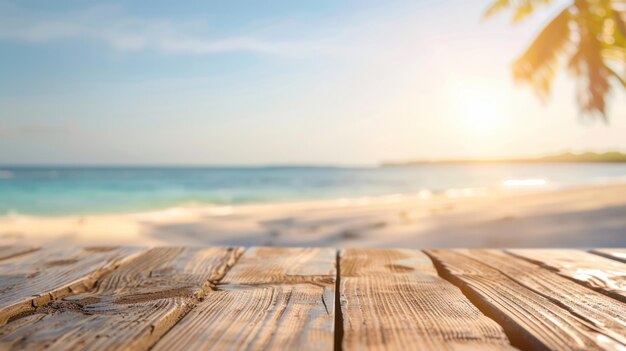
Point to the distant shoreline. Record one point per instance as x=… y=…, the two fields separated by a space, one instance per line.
x=64 y=191
x=503 y=161
x=588 y=157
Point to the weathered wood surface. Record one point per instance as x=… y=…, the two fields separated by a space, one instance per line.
x=605 y=314
x=530 y=320
x=599 y=273
x=274 y=298
x=130 y=308
x=614 y=254
x=392 y=299
x=12 y=251
x=37 y=277
x=286 y=298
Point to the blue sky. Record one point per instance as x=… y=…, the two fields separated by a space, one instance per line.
x=279 y=82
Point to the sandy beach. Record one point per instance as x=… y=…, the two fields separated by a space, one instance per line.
x=574 y=217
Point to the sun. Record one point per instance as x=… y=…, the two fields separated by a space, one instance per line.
x=478 y=108
x=479 y=114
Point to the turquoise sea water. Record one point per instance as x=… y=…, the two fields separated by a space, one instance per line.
x=76 y=190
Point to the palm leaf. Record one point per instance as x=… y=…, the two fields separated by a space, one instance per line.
x=521 y=8
x=588 y=66
x=496 y=7
x=591 y=32
x=539 y=62
x=620 y=22
x=620 y=78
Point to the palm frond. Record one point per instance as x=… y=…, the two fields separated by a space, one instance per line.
x=521 y=8
x=538 y=63
x=590 y=33
x=496 y=7
x=621 y=78
x=588 y=66
x=620 y=21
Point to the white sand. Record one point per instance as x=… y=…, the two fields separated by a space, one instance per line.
x=593 y=216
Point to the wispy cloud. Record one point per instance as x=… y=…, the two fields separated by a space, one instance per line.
x=120 y=31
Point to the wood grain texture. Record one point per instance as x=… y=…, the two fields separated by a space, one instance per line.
x=599 y=273
x=606 y=315
x=273 y=298
x=393 y=299
x=530 y=320
x=269 y=265
x=129 y=309
x=12 y=251
x=35 y=278
x=614 y=254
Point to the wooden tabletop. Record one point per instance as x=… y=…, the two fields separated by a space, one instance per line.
x=195 y=298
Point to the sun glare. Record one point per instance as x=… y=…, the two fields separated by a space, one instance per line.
x=478 y=108
x=479 y=114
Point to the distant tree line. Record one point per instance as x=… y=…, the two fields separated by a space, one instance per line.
x=586 y=157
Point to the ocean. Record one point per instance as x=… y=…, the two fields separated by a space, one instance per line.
x=58 y=191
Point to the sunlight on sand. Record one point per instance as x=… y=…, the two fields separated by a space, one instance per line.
x=456 y=218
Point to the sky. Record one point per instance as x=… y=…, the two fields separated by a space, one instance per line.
x=277 y=82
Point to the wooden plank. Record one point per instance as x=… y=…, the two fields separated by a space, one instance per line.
x=271 y=265
x=13 y=251
x=274 y=298
x=614 y=254
x=599 y=273
x=530 y=320
x=35 y=278
x=606 y=315
x=131 y=308
x=394 y=300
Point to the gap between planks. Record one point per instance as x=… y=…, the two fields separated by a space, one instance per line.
x=601 y=274
x=613 y=254
x=7 y=252
x=338 y=332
